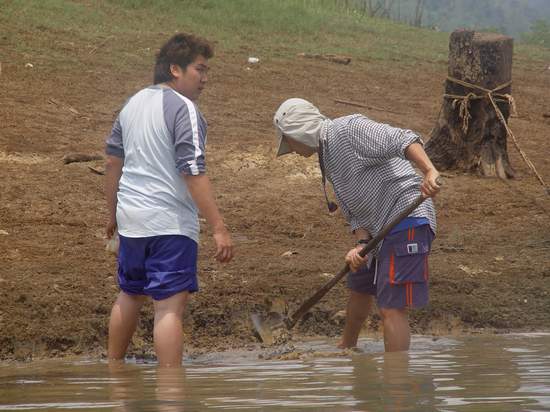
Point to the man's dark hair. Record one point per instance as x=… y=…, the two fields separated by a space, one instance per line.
x=180 y=49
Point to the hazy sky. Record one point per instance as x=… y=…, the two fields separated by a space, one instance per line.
x=510 y=16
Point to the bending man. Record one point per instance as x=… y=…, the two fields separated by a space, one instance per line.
x=369 y=167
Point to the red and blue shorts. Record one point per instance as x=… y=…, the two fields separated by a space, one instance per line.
x=398 y=277
x=157 y=266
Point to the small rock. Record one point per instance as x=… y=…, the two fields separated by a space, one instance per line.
x=29 y=65
x=339 y=316
x=289 y=253
x=4 y=232
x=470 y=271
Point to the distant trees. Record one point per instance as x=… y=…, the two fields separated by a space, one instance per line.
x=510 y=17
x=539 y=34
x=381 y=8
x=418 y=12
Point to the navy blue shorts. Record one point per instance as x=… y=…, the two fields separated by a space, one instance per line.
x=399 y=276
x=157 y=266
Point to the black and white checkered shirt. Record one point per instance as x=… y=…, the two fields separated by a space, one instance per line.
x=373 y=181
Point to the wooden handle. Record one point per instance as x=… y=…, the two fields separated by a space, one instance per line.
x=306 y=306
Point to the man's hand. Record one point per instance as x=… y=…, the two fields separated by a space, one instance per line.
x=416 y=154
x=113 y=172
x=354 y=260
x=201 y=190
x=110 y=229
x=429 y=187
x=224 y=245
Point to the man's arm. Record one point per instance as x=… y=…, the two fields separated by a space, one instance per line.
x=416 y=154
x=375 y=143
x=353 y=258
x=201 y=191
x=113 y=171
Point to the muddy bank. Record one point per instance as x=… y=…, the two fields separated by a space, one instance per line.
x=490 y=267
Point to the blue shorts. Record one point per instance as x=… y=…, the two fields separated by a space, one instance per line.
x=398 y=277
x=157 y=266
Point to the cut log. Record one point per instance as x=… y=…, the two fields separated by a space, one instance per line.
x=470 y=134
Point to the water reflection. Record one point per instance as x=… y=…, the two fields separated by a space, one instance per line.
x=170 y=392
x=388 y=382
x=126 y=382
x=481 y=374
x=483 y=378
x=154 y=389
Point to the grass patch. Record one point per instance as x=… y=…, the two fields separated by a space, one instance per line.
x=265 y=28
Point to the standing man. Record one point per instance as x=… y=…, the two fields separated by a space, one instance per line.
x=155 y=182
x=369 y=166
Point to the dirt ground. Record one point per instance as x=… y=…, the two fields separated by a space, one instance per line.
x=490 y=268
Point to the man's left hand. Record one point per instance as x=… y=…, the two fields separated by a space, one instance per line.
x=429 y=187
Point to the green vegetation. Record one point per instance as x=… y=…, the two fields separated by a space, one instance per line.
x=539 y=34
x=266 y=28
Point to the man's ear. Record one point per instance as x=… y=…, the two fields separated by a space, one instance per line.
x=176 y=71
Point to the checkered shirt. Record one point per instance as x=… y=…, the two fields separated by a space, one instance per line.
x=366 y=165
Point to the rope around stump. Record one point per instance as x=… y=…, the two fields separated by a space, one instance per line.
x=463 y=102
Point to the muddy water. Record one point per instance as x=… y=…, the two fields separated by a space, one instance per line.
x=481 y=373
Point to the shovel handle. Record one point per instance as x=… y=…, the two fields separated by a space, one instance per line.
x=306 y=306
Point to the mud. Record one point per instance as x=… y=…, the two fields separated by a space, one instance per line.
x=490 y=268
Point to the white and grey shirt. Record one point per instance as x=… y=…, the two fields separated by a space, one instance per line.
x=160 y=134
x=373 y=181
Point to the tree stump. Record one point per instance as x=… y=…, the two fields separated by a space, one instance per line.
x=469 y=134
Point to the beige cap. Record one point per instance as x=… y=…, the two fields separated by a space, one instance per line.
x=300 y=120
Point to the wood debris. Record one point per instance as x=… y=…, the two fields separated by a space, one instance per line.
x=335 y=58
x=80 y=157
x=380 y=109
x=56 y=102
x=97 y=171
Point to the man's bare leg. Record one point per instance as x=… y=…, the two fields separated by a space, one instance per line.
x=122 y=324
x=397 y=334
x=357 y=310
x=168 y=329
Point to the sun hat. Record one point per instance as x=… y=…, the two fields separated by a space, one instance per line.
x=300 y=120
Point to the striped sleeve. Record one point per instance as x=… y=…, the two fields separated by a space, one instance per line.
x=113 y=144
x=188 y=128
x=375 y=143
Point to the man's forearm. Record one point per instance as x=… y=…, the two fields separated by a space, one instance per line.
x=416 y=154
x=113 y=171
x=201 y=191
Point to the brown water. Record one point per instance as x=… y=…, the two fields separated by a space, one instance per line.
x=480 y=373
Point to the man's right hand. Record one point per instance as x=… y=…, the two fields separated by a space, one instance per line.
x=201 y=191
x=110 y=229
x=354 y=260
x=224 y=245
